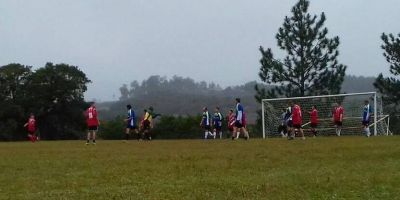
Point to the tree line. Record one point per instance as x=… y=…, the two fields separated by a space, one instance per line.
x=54 y=93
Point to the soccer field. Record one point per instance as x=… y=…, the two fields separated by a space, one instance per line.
x=320 y=168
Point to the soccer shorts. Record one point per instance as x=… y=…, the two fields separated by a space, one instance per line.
x=338 y=123
x=297 y=126
x=93 y=128
x=207 y=127
x=282 y=128
x=238 y=124
x=290 y=124
x=146 y=124
x=132 y=127
x=365 y=123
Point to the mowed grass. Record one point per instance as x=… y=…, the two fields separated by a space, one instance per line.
x=320 y=168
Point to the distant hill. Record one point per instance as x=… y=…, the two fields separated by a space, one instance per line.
x=184 y=96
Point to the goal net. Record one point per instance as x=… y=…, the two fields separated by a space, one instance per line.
x=353 y=104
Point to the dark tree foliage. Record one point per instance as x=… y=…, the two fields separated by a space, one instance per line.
x=310 y=66
x=390 y=87
x=53 y=93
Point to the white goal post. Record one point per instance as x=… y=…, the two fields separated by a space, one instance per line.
x=273 y=109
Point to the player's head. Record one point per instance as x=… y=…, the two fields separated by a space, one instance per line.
x=366 y=102
x=335 y=104
x=205 y=109
x=145 y=110
x=128 y=106
x=237 y=100
x=151 y=108
x=217 y=109
x=32 y=115
x=92 y=103
x=230 y=111
x=314 y=107
x=290 y=103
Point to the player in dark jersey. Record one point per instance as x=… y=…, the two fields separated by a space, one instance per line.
x=131 y=123
x=205 y=123
x=217 y=123
x=240 y=121
x=366 y=118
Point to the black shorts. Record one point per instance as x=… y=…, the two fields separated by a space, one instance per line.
x=314 y=125
x=218 y=128
x=93 y=128
x=365 y=123
x=238 y=124
x=338 y=123
x=146 y=124
x=290 y=124
x=207 y=127
x=297 y=126
x=132 y=127
x=282 y=128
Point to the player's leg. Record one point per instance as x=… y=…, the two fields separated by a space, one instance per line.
x=94 y=136
x=215 y=132
x=88 y=137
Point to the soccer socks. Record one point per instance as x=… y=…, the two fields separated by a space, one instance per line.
x=237 y=135
x=205 y=135
x=220 y=135
x=367 y=131
x=215 y=135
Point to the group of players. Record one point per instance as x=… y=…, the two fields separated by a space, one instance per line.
x=236 y=122
x=292 y=120
x=142 y=131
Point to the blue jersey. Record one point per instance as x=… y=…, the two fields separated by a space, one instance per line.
x=131 y=117
x=239 y=112
x=206 y=119
x=367 y=110
x=217 y=119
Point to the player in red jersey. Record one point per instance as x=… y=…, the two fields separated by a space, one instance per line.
x=92 y=123
x=31 y=127
x=297 y=120
x=314 y=120
x=338 y=115
x=231 y=123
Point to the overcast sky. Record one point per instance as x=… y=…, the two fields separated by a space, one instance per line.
x=118 y=41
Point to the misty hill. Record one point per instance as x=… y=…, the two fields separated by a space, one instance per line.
x=184 y=96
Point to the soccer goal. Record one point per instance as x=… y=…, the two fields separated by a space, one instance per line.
x=273 y=109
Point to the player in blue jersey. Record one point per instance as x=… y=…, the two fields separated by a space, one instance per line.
x=205 y=123
x=239 y=124
x=131 y=123
x=217 y=123
x=366 y=117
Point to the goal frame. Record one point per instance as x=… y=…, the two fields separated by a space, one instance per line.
x=323 y=96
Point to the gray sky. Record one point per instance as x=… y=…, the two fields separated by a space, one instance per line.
x=118 y=41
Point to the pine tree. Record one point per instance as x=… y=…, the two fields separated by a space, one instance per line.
x=310 y=66
x=390 y=87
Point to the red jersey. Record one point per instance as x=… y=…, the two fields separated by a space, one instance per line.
x=91 y=116
x=338 y=114
x=31 y=125
x=231 y=120
x=314 y=116
x=296 y=115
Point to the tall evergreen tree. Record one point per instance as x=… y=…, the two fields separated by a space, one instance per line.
x=390 y=87
x=310 y=66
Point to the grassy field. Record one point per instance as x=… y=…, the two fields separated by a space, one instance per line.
x=321 y=168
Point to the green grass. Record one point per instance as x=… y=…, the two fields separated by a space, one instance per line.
x=321 y=168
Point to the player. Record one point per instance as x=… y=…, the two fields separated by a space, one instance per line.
x=217 y=123
x=289 y=121
x=231 y=123
x=131 y=123
x=240 y=121
x=147 y=125
x=297 y=120
x=367 y=111
x=338 y=115
x=314 y=120
x=31 y=128
x=205 y=123
x=92 y=123
x=282 y=129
